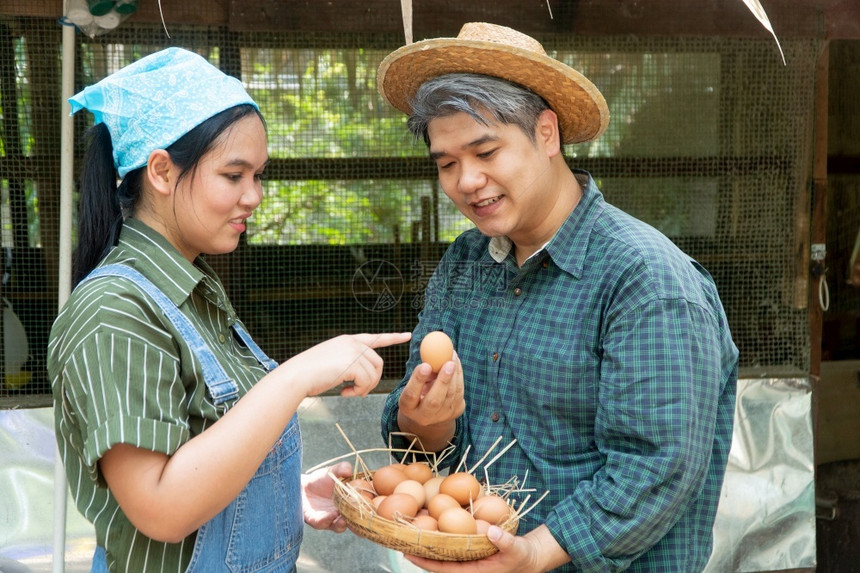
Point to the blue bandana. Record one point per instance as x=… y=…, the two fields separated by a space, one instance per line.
x=154 y=101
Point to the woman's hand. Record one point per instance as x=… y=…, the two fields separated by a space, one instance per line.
x=348 y=359
x=317 y=504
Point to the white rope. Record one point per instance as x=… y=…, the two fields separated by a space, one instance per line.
x=818 y=252
x=406 y=10
x=161 y=13
x=823 y=293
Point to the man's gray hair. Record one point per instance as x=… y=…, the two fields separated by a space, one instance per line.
x=486 y=99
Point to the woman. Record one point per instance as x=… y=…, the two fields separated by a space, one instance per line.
x=179 y=436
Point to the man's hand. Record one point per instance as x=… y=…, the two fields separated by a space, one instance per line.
x=429 y=398
x=431 y=403
x=534 y=552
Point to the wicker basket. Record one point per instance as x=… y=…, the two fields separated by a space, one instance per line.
x=407 y=538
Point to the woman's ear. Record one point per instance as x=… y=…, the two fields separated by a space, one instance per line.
x=548 y=133
x=161 y=172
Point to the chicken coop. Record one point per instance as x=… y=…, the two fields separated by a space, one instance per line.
x=737 y=141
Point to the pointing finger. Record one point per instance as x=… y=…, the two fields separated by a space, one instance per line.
x=383 y=339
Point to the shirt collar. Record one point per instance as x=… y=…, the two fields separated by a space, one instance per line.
x=155 y=257
x=568 y=246
x=499 y=247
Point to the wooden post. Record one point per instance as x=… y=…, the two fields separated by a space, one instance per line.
x=818 y=230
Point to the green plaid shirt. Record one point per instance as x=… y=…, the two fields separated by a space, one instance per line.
x=608 y=357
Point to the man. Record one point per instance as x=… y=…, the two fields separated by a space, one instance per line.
x=580 y=332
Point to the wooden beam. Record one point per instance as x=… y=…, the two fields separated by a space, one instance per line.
x=818 y=225
x=727 y=18
x=195 y=12
x=353 y=168
x=359 y=168
x=831 y=19
x=430 y=19
x=33 y=9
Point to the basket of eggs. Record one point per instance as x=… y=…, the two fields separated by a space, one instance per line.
x=409 y=507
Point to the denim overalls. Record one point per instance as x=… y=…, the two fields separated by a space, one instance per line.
x=261 y=530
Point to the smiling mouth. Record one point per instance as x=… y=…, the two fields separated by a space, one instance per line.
x=486 y=202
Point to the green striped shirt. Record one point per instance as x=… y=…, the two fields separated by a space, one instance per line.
x=121 y=374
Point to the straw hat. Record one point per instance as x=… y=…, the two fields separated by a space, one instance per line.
x=492 y=50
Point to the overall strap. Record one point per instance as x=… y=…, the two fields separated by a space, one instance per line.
x=221 y=387
x=261 y=356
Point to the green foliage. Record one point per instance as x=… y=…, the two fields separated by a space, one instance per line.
x=324 y=104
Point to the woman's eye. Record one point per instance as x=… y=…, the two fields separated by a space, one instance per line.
x=487 y=154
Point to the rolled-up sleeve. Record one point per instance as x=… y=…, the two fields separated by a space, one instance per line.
x=125 y=390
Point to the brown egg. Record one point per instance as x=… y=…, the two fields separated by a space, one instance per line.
x=481 y=526
x=419 y=471
x=491 y=508
x=401 y=504
x=363 y=487
x=431 y=488
x=440 y=503
x=436 y=349
x=457 y=520
x=426 y=522
x=413 y=488
x=461 y=486
x=386 y=478
x=376 y=501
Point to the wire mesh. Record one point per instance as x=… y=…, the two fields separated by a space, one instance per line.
x=709 y=141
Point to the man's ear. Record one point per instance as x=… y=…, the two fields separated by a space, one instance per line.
x=548 y=133
x=161 y=172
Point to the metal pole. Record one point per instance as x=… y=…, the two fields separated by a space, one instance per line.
x=65 y=263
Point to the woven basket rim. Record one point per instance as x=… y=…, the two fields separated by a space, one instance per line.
x=401 y=536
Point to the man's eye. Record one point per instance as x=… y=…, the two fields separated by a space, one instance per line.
x=487 y=154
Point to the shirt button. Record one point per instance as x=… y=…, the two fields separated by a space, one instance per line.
x=545 y=263
x=518 y=291
x=495 y=417
x=222 y=338
x=495 y=356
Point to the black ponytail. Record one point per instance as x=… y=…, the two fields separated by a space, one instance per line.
x=100 y=204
